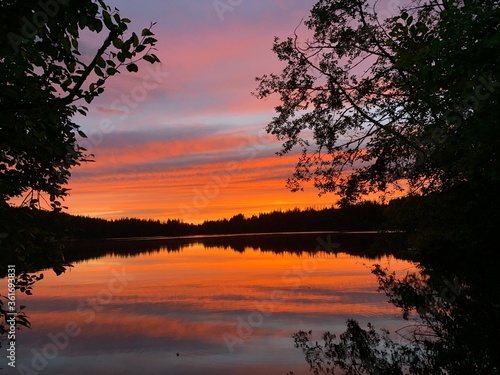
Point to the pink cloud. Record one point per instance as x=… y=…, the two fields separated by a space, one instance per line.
x=175 y=126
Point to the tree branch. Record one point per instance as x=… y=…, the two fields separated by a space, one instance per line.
x=73 y=95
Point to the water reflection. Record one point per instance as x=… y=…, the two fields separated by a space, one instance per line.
x=197 y=307
x=360 y=243
x=452 y=316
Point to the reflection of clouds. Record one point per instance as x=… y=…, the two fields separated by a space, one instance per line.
x=184 y=302
x=164 y=362
x=115 y=339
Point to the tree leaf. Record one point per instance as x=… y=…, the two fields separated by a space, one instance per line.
x=118 y=43
x=150 y=40
x=98 y=71
x=107 y=20
x=98 y=25
x=132 y=67
x=135 y=40
x=111 y=71
x=100 y=61
x=149 y=59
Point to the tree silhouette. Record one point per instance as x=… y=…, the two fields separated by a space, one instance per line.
x=44 y=79
x=375 y=104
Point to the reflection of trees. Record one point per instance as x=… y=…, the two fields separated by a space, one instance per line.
x=31 y=240
x=24 y=283
x=44 y=249
x=307 y=243
x=458 y=322
x=76 y=251
x=279 y=243
x=453 y=328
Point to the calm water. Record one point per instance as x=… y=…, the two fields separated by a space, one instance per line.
x=196 y=308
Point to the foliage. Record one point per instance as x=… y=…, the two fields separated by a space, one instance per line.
x=453 y=326
x=24 y=283
x=45 y=74
x=378 y=104
x=356 y=351
x=21 y=318
x=32 y=240
x=456 y=321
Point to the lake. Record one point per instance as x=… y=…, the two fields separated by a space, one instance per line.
x=221 y=305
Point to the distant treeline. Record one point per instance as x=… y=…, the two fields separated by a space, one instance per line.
x=361 y=217
x=69 y=236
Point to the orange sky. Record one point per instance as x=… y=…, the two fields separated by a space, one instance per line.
x=127 y=183
x=185 y=139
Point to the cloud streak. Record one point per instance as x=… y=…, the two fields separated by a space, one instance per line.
x=157 y=152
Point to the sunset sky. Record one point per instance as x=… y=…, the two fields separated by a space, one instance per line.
x=185 y=139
